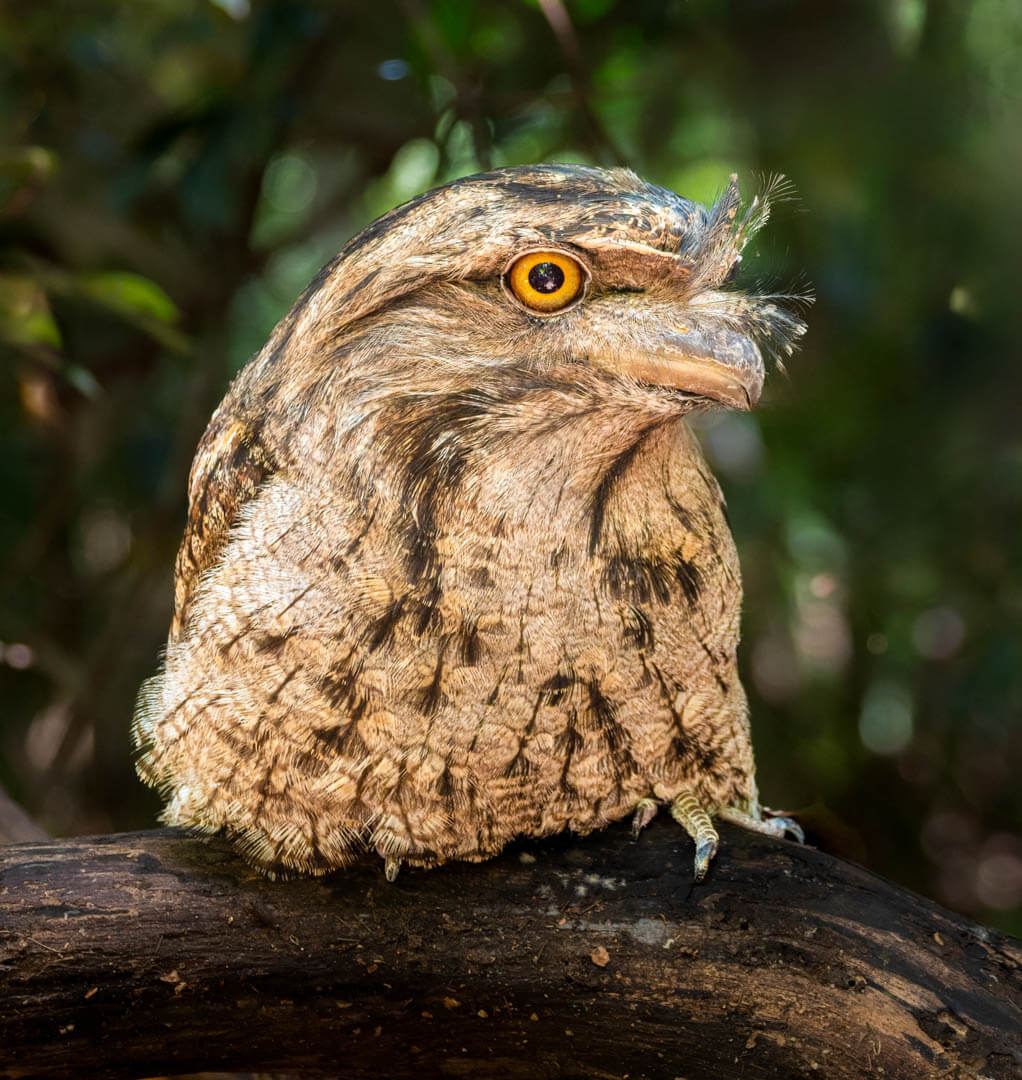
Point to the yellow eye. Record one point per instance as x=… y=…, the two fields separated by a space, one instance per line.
x=545 y=281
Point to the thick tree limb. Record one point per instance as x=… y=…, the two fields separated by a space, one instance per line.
x=145 y=953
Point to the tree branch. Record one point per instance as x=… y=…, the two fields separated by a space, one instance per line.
x=556 y=15
x=145 y=953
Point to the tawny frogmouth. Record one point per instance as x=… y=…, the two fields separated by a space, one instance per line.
x=455 y=570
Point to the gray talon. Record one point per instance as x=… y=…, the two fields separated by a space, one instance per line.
x=645 y=811
x=790 y=825
x=704 y=855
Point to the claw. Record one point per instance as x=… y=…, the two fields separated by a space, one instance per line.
x=391 y=868
x=645 y=811
x=704 y=856
x=789 y=826
x=775 y=824
x=696 y=822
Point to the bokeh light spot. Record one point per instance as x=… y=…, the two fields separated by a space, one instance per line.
x=392 y=70
x=289 y=183
x=885 y=723
x=938 y=634
x=18 y=656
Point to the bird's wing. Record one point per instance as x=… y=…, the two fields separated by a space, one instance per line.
x=231 y=464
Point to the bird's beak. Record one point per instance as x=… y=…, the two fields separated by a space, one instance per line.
x=713 y=362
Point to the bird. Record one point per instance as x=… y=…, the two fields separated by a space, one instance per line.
x=455 y=571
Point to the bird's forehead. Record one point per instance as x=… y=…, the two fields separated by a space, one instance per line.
x=579 y=204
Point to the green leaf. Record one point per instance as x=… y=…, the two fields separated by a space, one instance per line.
x=25 y=317
x=131 y=294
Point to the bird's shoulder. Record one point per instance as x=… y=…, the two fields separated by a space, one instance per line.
x=231 y=465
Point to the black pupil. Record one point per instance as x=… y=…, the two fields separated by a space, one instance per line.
x=546 y=277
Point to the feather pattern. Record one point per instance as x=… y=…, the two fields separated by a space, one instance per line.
x=456 y=572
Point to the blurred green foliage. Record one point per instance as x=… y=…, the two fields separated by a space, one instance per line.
x=172 y=173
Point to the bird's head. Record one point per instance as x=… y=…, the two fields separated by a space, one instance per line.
x=548 y=270
x=576 y=303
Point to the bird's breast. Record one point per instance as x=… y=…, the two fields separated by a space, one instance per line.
x=482 y=670
x=595 y=606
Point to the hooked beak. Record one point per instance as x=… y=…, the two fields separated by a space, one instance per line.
x=713 y=362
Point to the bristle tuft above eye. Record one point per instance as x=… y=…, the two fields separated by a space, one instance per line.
x=776 y=188
x=731 y=226
x=773 y=189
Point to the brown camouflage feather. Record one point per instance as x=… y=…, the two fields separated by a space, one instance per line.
x=454 y=573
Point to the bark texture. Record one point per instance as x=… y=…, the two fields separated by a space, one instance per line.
x=158 y=953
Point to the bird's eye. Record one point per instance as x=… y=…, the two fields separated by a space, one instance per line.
x=545 y=281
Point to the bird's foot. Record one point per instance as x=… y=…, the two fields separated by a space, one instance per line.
x=687 y=812
x=773 y=824
x=391 y=867
x=645 y=811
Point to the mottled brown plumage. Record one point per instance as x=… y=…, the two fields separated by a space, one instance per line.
x=455 y=571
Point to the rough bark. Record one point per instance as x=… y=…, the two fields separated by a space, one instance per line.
x=145 y=953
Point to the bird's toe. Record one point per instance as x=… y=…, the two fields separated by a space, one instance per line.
x=645 y=811
x=687 y=811
x=773 y=824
